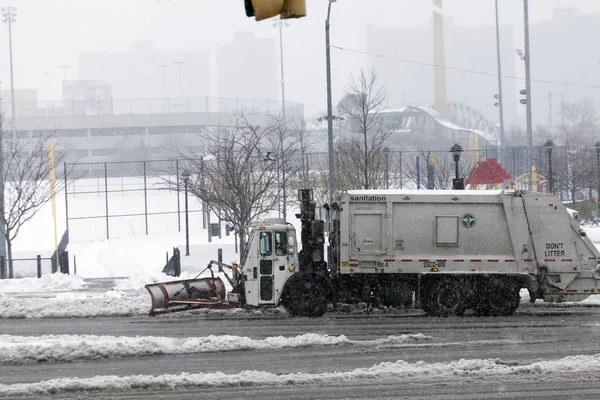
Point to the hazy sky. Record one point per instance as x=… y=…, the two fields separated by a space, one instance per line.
x=49 y=33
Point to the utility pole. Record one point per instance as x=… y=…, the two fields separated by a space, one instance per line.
x=500 y=106
x=528 y=90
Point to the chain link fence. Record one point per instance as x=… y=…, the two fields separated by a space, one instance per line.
x=123 y=199
x=120 y=199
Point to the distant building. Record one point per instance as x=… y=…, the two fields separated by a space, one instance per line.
x=136 y=73
x=564 y=49
x=248 y=68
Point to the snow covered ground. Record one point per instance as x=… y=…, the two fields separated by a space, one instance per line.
x=132 y=262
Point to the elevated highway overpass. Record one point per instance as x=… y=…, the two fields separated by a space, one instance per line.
x=134 y=129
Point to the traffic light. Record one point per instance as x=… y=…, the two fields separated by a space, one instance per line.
x=523 y=92
x=263 y=9
x=497 y=98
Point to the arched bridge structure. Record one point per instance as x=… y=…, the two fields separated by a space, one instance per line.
x=422 y=127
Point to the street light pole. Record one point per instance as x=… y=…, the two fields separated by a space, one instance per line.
x=186 y=181
x=329 y=106
x=283 y=197
x=162 y=68
x=9 y=15
x=178 y=63
x=528 y=90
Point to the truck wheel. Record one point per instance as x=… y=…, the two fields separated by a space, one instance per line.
x=305 y=297
x=444 y=297
x=499 y=297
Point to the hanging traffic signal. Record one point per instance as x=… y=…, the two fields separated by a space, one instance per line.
x=523 y=92
x=263 y=9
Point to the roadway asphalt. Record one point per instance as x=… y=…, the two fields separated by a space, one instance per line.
x=534 y=333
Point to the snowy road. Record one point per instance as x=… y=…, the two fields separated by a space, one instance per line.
x=543 y=351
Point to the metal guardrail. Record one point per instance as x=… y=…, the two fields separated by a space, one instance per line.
x=98 y=107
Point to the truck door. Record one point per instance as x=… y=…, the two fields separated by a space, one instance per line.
x=368 y=231
x=264 y=274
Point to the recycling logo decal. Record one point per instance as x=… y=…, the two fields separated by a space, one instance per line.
x=468 y=220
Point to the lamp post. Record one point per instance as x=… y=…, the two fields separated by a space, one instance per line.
x=457 y=183
x=548 y=146
x=329 y=106
x=186 y=181
x=178 y=63
x=597 y=146
x=162 y=68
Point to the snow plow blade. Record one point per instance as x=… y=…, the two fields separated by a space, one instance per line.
x=187 y=294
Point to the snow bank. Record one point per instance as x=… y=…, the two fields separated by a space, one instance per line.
x=384 y=372
x=74 y=305
x=45 y=284
x=64 y=348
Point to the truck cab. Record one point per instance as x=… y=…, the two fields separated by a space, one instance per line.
x=271 y=258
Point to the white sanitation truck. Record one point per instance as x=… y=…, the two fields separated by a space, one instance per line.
x=449 y=250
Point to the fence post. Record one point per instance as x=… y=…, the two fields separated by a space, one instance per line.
x=64 y=262
x=39 y=266
x=220 y=255
x=106 y=196
x=74 y=265
x=145 y=199
x=178 y=206
x=2 y=269
x=66 y=198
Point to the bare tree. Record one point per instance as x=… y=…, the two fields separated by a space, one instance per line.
x=236 y=176
x=360 y=160
x=27 y=168
x=292 y=140
x=577 y=131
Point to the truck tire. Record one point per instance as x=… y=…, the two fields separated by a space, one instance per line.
x=499 y=297
x=444 y=297
x=305 y=296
